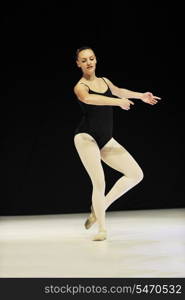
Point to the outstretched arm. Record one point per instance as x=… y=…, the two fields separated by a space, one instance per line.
x=92 y=99
x=124 y=93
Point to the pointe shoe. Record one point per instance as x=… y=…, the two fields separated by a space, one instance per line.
x=91 y=219
x=100 y=236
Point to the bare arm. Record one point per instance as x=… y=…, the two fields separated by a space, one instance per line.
x=83 y=95
x=124 y=93
x=129 y=94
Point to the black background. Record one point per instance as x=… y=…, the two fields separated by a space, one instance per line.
x=138 y=48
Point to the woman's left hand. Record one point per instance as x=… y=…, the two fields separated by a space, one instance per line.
x=150 y=98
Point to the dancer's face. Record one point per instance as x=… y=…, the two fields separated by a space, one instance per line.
x=87 y=61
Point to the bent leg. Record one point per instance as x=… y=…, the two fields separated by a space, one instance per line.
x=89 y=154
x=118 y=158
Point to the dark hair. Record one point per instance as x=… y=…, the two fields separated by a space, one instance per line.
x=81 y=49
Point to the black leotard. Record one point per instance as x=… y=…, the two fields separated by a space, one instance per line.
x=97 y=120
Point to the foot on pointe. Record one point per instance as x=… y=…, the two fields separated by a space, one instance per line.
x=91 y=219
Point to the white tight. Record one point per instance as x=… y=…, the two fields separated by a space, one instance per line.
x=118 y=158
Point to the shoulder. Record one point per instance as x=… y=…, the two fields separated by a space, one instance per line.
x=80 y=86
x=81 y=91
x=108 y=82
x=114 y=89
x=105 y=78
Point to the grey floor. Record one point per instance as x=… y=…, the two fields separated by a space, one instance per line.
x=144 y=243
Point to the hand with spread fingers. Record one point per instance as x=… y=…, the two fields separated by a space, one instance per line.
x=150 y=98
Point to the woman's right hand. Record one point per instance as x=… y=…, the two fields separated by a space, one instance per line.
x=125 y=103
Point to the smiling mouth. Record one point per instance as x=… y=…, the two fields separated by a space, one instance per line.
x=90 y=67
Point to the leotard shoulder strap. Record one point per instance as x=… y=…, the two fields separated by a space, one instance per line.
x=85 y=85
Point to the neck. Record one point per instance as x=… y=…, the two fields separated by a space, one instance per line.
x=90 y=77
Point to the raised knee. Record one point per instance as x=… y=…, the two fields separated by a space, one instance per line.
x=139 y=175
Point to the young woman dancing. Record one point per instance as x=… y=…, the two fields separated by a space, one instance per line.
x=94 y=139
